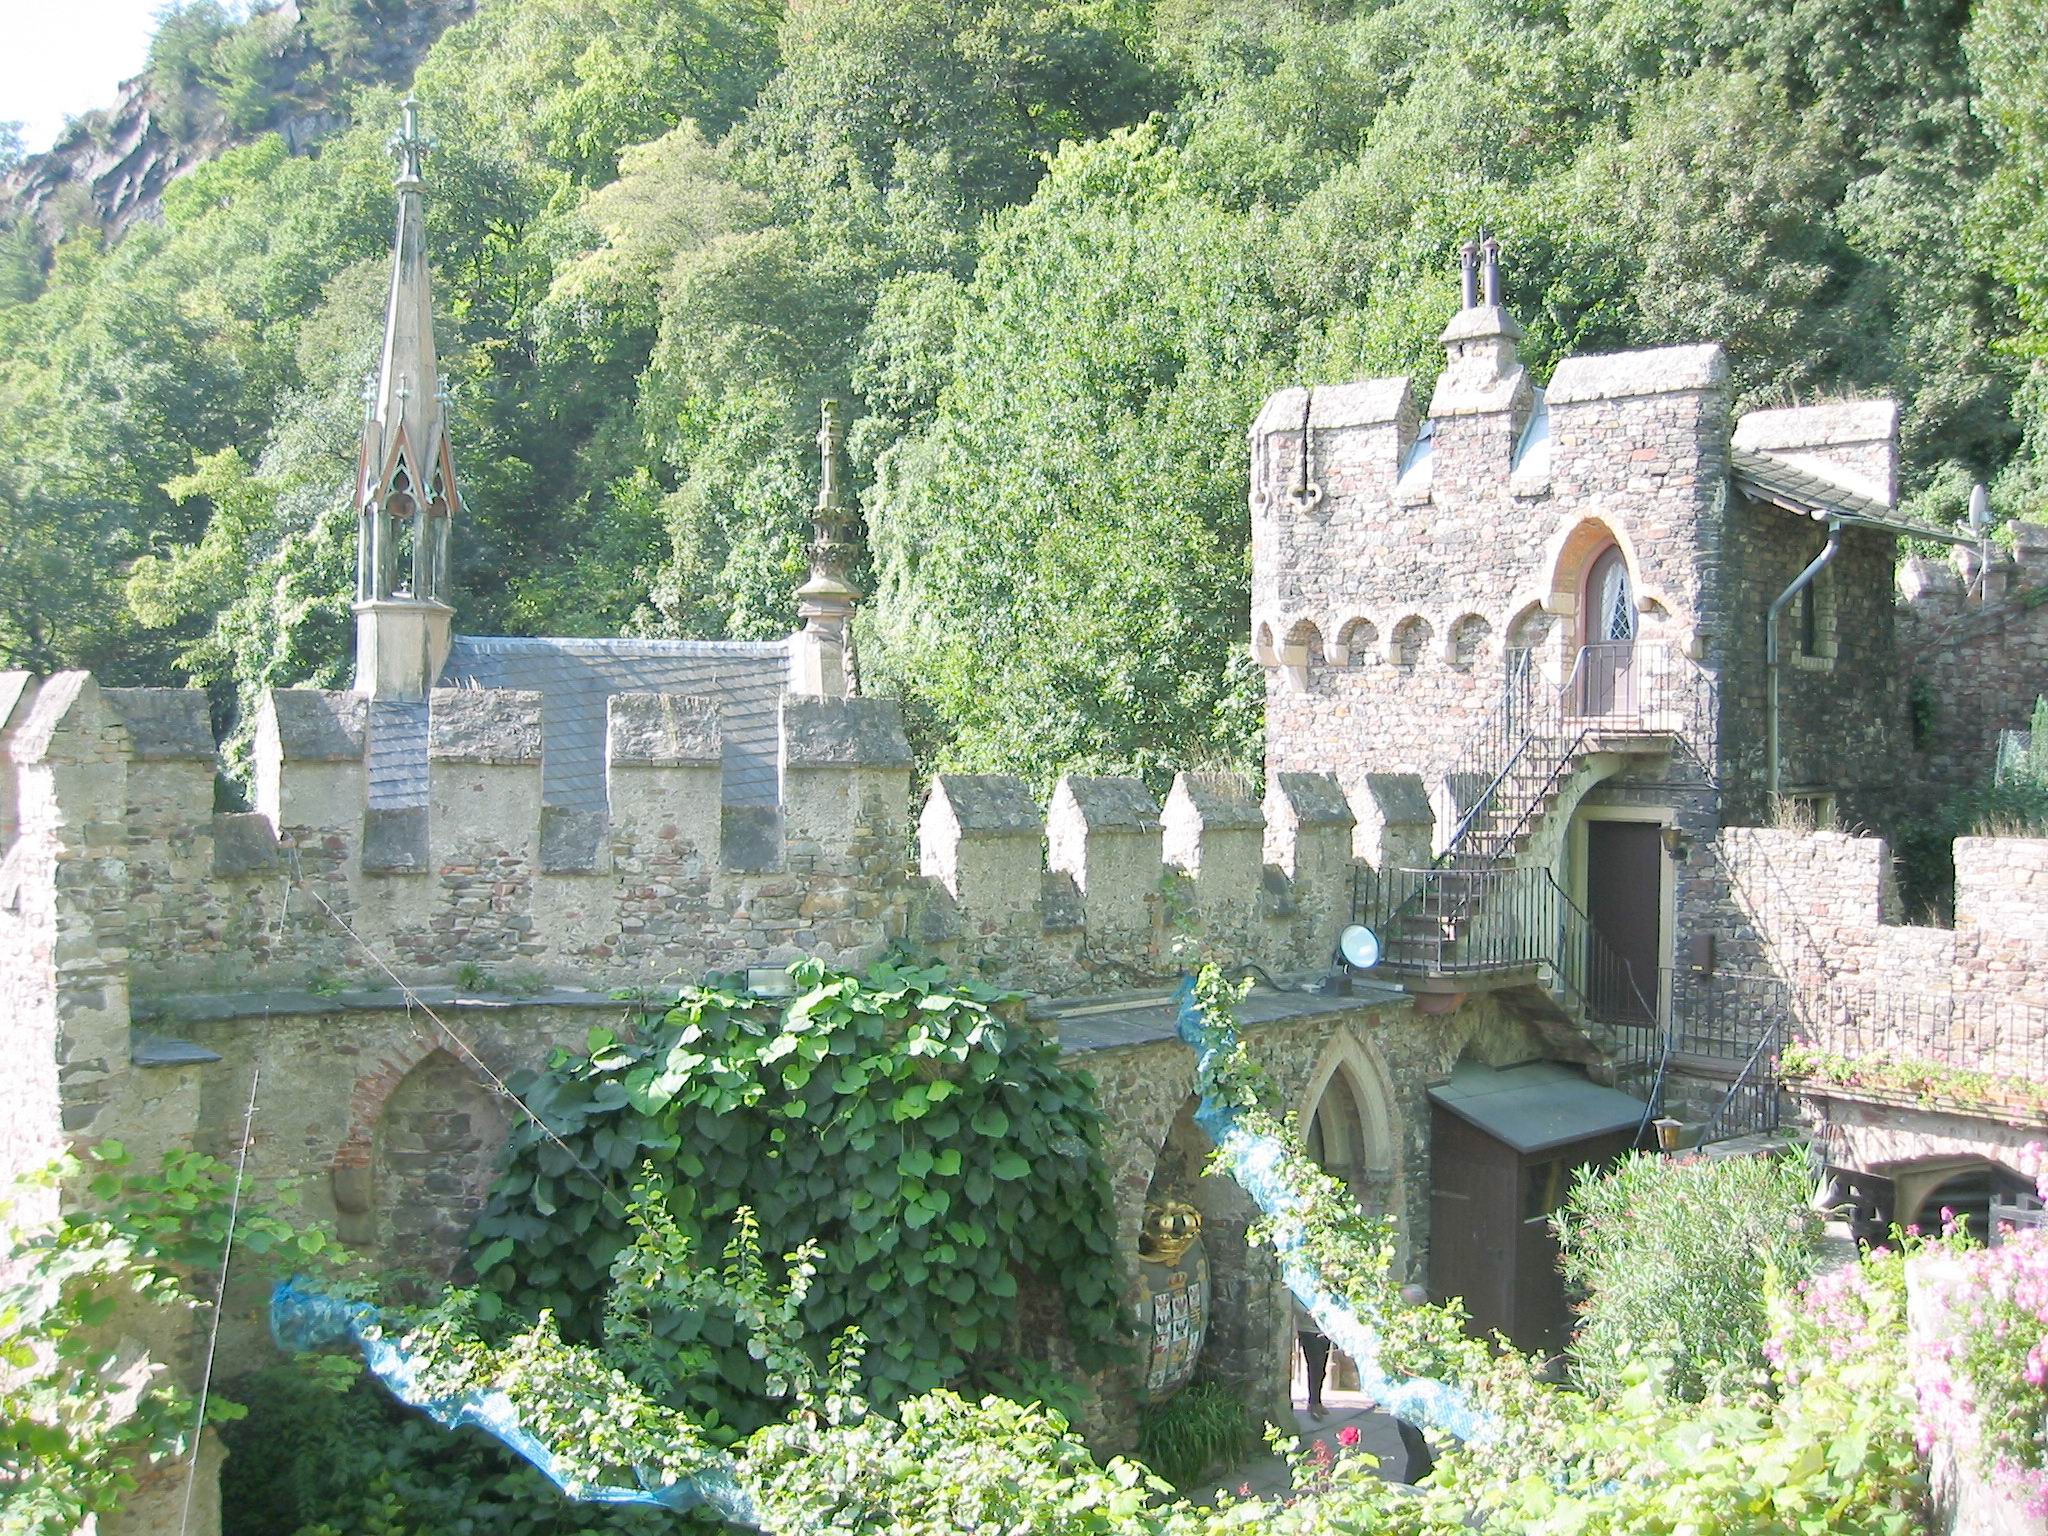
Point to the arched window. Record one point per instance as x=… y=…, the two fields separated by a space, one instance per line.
x=1610 y=599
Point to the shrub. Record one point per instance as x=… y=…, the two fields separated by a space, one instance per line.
x=911 y=1122
x=1670 y=1255
x=1203 y=1427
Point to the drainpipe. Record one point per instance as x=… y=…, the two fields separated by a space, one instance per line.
x=1771 y=668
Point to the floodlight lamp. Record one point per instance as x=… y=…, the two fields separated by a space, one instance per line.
x=1360 y=947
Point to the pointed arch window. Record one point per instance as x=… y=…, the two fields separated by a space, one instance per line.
x=1616 y=614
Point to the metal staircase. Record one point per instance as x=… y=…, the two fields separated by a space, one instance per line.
x=1478 y=910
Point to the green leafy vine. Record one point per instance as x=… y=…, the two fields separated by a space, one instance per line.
x=906 y=1123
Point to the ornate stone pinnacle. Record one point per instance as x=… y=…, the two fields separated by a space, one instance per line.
x=409 y=146
x=826 y=599
x=830 y=436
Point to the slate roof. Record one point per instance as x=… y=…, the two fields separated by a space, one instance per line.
x=1766 y=478
x=576 y=679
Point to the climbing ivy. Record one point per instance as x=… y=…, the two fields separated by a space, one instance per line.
x=908 y=1121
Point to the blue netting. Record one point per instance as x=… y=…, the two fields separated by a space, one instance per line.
x=1255 y=1162
x=301 y=1319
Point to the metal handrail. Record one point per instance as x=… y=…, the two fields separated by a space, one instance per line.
x=1463 y=922
x=1755 y=1090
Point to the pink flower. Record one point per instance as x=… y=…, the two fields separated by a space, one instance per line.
x=1348 y=1436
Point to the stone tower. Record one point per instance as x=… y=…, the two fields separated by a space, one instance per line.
x=406 y=493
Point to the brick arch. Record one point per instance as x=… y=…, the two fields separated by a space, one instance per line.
x=1531 y=626
x=1304 y=643
x=434 y=1152
x=1264 y=651
x=373 y=1089
x=1466 y=643
x=1408 y=641
x=1357 y=642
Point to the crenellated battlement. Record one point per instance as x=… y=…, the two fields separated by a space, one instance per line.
x=427 y=841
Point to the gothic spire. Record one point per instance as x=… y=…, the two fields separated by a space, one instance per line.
x=405 y=484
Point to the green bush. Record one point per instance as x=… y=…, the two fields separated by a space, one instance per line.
x=926 y=1135
x=1669 y=1256
x=1203 y=1427
x=311 y=1460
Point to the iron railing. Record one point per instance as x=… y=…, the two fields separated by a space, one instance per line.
x=1751 y=1106
x=1905 y=1040
x=1531 y=739
x=1451 y=922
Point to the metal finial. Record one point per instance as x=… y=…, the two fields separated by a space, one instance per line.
x=830 y=434
x=1468 y=264
x=409 y=146
x=1491 y=247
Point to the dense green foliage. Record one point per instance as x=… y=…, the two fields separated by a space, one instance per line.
x=1054 y=252
x=911 y=1123
x=318 y=1457
x=83 y=1408
x=1821 y=1441
x=1665 y=1255
x=1199 y=1429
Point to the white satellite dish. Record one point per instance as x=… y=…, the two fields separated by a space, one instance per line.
x=1360 y=947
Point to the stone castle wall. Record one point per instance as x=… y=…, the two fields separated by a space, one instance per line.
x=1972 y=660
x=1817 y=911
x=122 y=886
x=1385 y=602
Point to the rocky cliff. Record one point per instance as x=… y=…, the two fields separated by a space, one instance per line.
x=110 y=167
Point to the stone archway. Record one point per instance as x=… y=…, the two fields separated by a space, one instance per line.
x=1246 y=1311
x=1347 y=1124
x=434 y=1150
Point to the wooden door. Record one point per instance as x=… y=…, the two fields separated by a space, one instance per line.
x=1474 y=1220
x=1625 y=900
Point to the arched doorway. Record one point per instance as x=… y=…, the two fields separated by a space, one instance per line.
x=1607 y=604
x=1347 y=1131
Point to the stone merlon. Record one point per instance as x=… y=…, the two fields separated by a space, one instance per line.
x=984 y=802
x=663 y=730
x=1657 y=371
x=13 y=685
x=829 y=732
x=484 y=725
x=1367 y=403
x=312 y=725
x=1213 y=802
x=1108 y=803
x=1310 y=800
x=164 y=724
x=37 y=734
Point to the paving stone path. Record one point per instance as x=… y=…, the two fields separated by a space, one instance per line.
x=1266 y=1476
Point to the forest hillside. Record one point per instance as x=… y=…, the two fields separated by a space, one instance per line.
x=1051 y=252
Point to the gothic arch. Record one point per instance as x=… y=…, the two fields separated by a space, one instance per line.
x=1569 y=554
x=1352 y=1094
